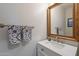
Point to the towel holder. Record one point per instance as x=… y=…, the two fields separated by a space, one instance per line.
x=3 y=25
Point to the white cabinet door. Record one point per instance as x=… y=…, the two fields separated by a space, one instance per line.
x=43 y=51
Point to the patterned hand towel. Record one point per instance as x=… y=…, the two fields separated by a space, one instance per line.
x=26 y=33
x=14 y=33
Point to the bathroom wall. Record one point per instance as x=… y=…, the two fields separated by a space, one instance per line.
x=31 y=14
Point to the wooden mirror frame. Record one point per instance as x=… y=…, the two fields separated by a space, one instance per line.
x=49 y=23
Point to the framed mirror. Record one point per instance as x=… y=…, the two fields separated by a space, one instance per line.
x=61 y=20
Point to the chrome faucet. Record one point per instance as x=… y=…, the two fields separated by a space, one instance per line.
x=57 y=37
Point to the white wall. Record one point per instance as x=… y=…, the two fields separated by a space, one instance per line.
x=23 y=14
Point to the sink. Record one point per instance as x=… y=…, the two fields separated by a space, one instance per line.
x=60 y=48
x=58 y=45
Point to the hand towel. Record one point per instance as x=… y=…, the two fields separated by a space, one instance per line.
x=14 y=33
x=26 y=33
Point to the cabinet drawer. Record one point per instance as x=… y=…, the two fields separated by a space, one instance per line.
x=45 y=51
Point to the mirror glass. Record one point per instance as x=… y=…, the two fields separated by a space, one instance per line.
x=62 y=19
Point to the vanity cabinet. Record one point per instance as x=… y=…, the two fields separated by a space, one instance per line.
x=53 y=48
x=44 y=51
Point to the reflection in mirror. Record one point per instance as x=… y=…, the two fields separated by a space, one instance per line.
x=62 y=19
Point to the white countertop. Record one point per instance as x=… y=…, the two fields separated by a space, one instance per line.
x=64 y=50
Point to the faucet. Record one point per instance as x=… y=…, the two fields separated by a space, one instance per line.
x=57 y=37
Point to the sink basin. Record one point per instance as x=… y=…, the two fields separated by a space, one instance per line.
x=58 y=45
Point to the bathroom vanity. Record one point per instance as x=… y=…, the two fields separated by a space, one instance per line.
x=54 y=48
x=62 y=25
